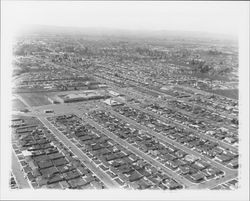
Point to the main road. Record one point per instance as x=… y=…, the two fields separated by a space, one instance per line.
x=78 y=152
x=191 y=115
x=158 y=91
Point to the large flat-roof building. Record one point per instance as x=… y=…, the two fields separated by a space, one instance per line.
x=81 y=96
x=112 y=102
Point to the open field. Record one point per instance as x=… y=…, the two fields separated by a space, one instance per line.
x=36 y=99
x=18 y=105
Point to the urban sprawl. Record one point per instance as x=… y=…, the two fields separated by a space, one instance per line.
x=124 y=112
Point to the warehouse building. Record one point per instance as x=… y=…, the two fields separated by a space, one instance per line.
x=82 y=96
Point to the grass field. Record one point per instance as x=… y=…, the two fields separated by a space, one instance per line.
x=18 y=105
x=36 y=99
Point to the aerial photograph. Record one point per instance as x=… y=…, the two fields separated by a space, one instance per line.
x=125 y=98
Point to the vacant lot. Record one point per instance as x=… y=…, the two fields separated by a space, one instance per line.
x=18 y=105
x=36 y=99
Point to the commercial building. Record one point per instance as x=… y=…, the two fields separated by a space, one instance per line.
x=113 y=93
x=112 y=102
x=82 y=96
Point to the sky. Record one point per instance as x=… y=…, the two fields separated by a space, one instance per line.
x=214 y=17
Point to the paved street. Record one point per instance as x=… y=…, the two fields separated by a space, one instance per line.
x=16 y=169
x=203 y=136
x=133 y=94
x=79 y=153
x=140 y=153
x=229 y=173
x=126 y=109
x=154 y=90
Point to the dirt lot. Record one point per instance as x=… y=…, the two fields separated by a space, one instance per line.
x=18 y=105
x=36 y=99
